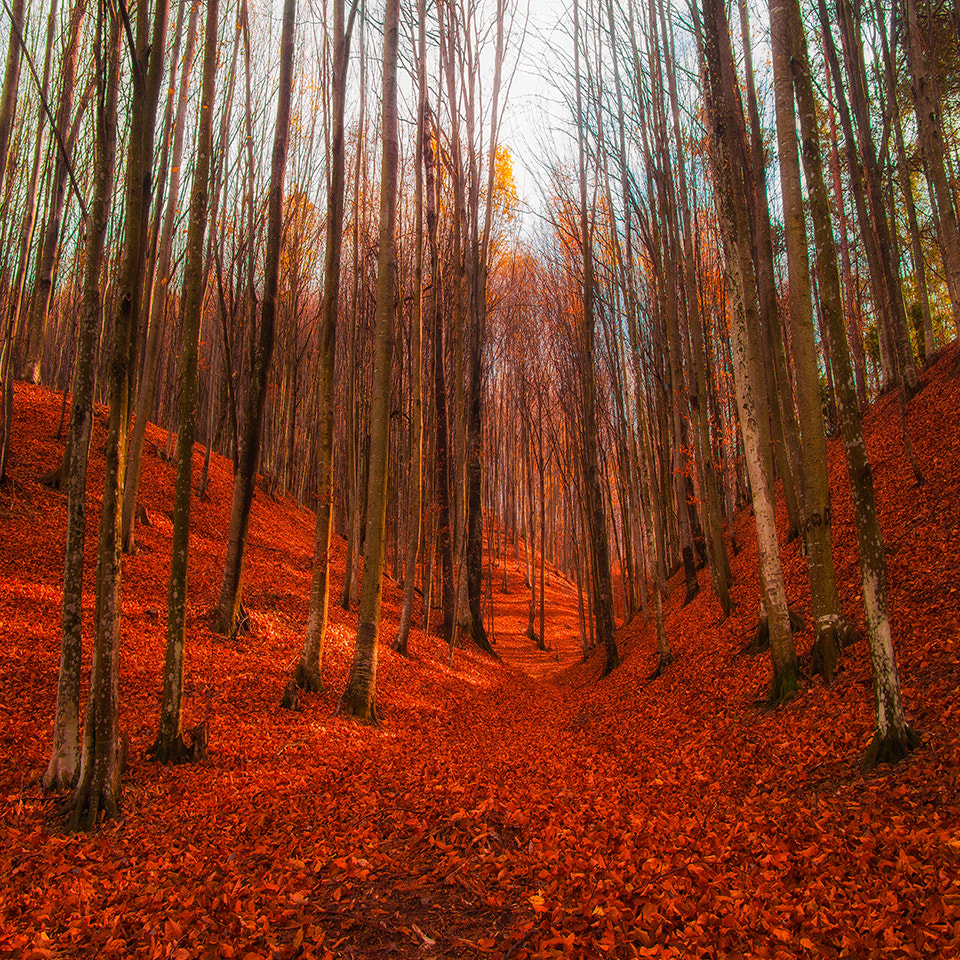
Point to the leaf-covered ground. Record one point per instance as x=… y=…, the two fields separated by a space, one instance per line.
x=502 y=810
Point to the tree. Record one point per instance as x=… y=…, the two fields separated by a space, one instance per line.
x=930 y=128
x=154 y=307
x=62 y=768
x=307 y=671
x=43 y=287
x=101 y=760
x=8 y=107
x=893 y=738
x=359 y=696
x=603 y=597
x=414 y=537
x=830 y=627
x=169 y=746
x=231 y=587
x=729 y=166
x=11 y=79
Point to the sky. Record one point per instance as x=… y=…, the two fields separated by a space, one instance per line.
x=537 y=122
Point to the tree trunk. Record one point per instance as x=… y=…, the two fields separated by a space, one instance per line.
x=169 y=746
x=8 y=108
x=730 y=168
x=11 y=80
x=231 y=587
x=359 y=697
x=893 y=738
x=43 y=287
x=415 y=478
x=888 y=271
x=156 y=299
x=101 y=761
x=930 y=128
x=603 y=597
x=62 y=768
x=829 y=624
x=307 y=673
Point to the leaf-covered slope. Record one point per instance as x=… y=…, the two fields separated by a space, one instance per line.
x=492 y=814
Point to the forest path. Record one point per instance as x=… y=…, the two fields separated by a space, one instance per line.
x=510 y=620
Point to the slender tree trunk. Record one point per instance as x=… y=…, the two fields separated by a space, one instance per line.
x=720 y=563
x=8 y=106
x=62 y=768
x=930 y=127
x=783 y=421
x=43 y=287
x=11 y=79
x=415 y=479
x=888 y=271
x=730 y=165
x=307 y=674
x=852 y=308
x=156 y=297
x=603 y=598
x=169 y=746
x=231 y=588
x=829 y=625
x=350 y=593
x=893 y=738
x=444 y=539
x=359 y=697
x=98 y=787
x=29 y=222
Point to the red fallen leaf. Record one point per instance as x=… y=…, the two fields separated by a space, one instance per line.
x=770 y=811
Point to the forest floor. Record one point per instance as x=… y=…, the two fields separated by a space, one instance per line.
x=526 y=808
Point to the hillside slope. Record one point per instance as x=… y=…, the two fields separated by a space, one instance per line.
x=492 y=814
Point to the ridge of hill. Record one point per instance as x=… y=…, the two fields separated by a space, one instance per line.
x=492 y=814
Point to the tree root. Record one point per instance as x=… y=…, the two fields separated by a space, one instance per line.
x=663 y=662
x=360 y=708
x=892 y=748
x=782 y=690
x=830 y=640
x=693 y=588
x=307 y=678
x=97 y=797
x=291 y=696
x=180 y=750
